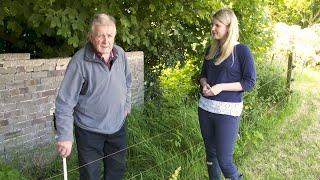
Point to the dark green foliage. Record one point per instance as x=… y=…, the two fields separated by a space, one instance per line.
x=155 y=27
x=166 y=31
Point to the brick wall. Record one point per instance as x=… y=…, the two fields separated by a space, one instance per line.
x=28 y=89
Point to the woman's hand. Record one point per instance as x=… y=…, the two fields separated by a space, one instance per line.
x=206 y=89
x=216 y=89
x=212 y=91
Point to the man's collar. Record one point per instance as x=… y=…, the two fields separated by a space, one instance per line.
x=92 y=55
x=114 y=54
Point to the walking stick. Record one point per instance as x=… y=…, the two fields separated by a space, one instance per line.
x=64 y=160
x=65 y=173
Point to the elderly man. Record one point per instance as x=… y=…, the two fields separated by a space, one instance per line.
x=95 y=99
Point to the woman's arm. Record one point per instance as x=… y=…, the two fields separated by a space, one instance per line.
x=248 y=79
x=203 y=82
x=218 y=88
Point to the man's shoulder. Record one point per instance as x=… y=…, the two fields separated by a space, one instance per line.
x=79 y=55
x=119 y=49
x=120 y=54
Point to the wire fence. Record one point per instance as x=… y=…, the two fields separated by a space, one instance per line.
x=163 y=162
x=141 y=173
x=131 y=146
x=143 y=140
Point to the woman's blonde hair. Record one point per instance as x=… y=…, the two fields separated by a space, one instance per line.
x=228 y=18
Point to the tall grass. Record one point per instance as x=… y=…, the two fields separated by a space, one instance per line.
x=171 y=136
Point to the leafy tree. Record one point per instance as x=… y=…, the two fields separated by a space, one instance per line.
x=255 y=25
x=303 y=12
x=166 y=31
x=59 y=27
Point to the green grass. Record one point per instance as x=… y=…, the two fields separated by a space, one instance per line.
x=161 y=139
x=290 y=150
x=8 y=173
x=172 y=140
x=165 y=137
x=159 y=145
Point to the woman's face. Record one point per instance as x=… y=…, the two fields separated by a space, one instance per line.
x=219 y=30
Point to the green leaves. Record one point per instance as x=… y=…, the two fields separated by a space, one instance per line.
x=152 y=7
x=64 y=31
x=55 y=22
x=74 y=41
x=125 y=22
x=13 y=26
x=177 y=82
x=304 y=12
x=166 y=31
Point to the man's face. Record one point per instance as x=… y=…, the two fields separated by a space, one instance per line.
x=102 y=38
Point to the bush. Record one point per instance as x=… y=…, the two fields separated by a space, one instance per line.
x=177 y=83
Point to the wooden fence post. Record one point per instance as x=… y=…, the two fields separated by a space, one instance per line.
x=289 y=72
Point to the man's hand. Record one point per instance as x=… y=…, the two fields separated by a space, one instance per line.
x=64 y=148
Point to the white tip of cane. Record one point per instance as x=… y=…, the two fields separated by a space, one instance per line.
x=65 y=173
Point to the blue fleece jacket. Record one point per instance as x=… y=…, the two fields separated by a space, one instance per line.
x=93 y=96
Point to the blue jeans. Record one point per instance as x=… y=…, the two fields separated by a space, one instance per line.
x=92 y=146
x=219 y=133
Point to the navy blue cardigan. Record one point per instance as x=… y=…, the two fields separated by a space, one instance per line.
x=242 y=70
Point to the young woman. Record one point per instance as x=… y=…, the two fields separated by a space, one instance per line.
x=228 y=70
